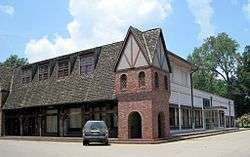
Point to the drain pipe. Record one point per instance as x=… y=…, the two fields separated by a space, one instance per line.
x=192 y=101
x=192 y=98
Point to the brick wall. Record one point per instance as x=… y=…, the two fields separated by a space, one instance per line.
x=148 y=101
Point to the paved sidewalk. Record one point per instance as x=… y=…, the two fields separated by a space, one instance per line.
x=175 y=137
x=225 y=145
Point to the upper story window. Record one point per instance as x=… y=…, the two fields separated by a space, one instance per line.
x=156 y=77
x=26 y=76
x=123 y=81
x=43 y=72
x=141 y=79
x=166 y=82
x=206 y=102
x=63 y=68
x=87 y=64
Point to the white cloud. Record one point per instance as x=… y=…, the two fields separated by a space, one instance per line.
x=7 y=9
x=202 y=12
x=97 y=22
x=246 y=9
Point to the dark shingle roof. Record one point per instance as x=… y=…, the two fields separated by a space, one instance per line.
x=5 y=78
x=75 y=88
x=151 y=37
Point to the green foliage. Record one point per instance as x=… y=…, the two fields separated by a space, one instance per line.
x=216 y=62
x=243 y=121
x=14 y=61
x=219 y=69
x=241 y=90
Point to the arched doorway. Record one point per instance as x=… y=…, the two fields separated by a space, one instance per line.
x=135 y=125
x=161 y=125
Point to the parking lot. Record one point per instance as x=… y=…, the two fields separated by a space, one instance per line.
x=226 y=145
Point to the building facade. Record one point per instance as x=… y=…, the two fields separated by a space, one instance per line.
x=138 y=87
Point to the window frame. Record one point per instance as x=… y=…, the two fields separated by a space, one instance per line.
x=142 y=79
x=156 y=80
x=26 y=76
x=41 y=74
x=166 y=82
x=87 y=65
x=123 y=85
x=63 y=69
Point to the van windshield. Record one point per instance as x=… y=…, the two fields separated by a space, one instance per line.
x=95 y=126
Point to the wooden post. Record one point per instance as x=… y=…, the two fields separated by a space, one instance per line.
x=180 y=119
x=61 y=122
x=21 y=125
x=40 y=125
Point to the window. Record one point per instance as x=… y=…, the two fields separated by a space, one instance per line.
x=51 y=124
x=87 y=64
x=51 y=121
x=63 y=68
x=43 y=72
x=156 y=80
x=141 y=79
x=206 y=103
x=198 y=118
x=75 y=118
x=123 y=81
x=166 y=82
x=26 y=76
x=186 y=123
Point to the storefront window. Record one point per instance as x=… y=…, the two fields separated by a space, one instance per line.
x=75 y=118
x=51 y=124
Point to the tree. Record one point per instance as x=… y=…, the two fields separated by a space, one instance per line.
x=241 y=90
x=216 y=63
x=14 y=61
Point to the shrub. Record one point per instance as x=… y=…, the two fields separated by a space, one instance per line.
x=243 y=121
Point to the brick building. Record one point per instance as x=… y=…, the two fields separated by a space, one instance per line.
x=138 y=87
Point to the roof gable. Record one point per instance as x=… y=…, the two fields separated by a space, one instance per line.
x=133 y=53
x=160 y=58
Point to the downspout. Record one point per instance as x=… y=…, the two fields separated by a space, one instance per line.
x=192 y=97
x=192 y=101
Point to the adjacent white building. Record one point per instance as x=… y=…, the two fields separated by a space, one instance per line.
x=195 y=110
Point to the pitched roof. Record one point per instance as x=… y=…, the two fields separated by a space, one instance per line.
x=151 y=39
x=76 y=88
x=5 y=78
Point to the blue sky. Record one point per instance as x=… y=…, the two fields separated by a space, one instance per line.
x=44 y=29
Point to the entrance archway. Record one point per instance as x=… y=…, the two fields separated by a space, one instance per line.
x=135 y=125
x=161 y=125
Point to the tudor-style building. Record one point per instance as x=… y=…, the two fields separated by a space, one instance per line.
x=138 y=87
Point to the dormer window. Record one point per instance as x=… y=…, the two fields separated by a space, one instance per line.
x=43 y=72
x=141 y=79
x=87 y=64
x=63 y=68
x=26 y=76
x=156 y=81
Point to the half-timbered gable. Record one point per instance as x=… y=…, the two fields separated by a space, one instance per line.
x=132 y=55
x=160 y=56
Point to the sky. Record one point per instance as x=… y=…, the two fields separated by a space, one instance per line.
x=44 y=29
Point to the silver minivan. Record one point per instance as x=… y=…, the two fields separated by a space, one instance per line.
x=95 y=131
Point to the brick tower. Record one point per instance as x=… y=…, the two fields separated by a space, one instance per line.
x=142 y=86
